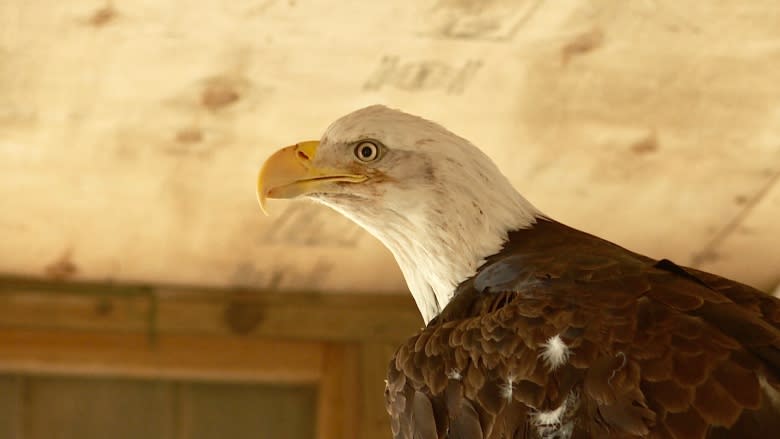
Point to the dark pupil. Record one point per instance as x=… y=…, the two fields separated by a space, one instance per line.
x=366 y=151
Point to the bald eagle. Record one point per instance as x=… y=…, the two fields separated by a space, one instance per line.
x=533 y=329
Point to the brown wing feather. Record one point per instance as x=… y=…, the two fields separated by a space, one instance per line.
x=655 y=350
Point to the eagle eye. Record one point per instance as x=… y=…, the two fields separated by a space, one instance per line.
x=367 y=151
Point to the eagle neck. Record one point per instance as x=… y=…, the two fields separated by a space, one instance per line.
x=447 y=242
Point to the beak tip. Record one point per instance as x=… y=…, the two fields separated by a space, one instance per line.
x=261 y=201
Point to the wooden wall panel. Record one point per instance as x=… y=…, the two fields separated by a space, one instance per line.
x=246 y=411
x=339 y=408
x=10 y=406
x=58 y=407
x=374 y=358
x=337 y=348
x=88 y=408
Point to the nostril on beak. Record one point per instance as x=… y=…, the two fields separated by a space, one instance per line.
x=302 y=155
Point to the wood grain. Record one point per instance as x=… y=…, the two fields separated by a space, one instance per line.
x=10 y=406
x=167 y=356
x=338 y=407
x=328 y=317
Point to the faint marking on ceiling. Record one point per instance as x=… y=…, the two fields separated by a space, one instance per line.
x=309 y=225
x=11 y=117
x=273 y=275
x=12 y=226
x=646 y=145
x=62 y=267
x=197 y=142
x=632 y=155
x=709 y=252
x=221 y=91
x=740 y=200
x=229 y=92
x=582 y=44
x=199 y=123
x=478 y=19
x=189 y=135
x=423 y=75
x=103 y=16
x=255 y=10
x=664 y=14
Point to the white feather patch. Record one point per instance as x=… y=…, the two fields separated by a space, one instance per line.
x=508 y=388
x=555 y=353
x=551 y=424
x=454 y=374
x=772 y=394
x=553 y=417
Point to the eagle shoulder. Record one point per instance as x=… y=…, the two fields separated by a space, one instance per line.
x=565 y=335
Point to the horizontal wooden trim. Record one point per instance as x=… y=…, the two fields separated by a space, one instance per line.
x=165 y=356
x=327 y=317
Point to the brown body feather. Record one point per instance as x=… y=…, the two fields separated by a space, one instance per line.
x=654 y=350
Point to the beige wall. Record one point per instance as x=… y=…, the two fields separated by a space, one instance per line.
x=130 y=132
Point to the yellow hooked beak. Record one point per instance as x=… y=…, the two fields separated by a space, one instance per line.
x=289 y=173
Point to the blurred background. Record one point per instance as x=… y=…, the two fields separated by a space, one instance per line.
x=144 y=295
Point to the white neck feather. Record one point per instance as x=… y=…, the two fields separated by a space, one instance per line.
x=440 y=238
x=438 y=252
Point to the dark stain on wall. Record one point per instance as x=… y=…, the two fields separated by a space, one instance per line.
x=103 y=16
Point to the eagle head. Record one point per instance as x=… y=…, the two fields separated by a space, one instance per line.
x=437 y=202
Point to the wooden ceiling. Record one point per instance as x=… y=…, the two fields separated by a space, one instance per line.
x=131 y=132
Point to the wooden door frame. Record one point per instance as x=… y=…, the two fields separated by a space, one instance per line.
x=338 y=343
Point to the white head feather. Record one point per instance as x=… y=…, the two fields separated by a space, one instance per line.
x=438 y=203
